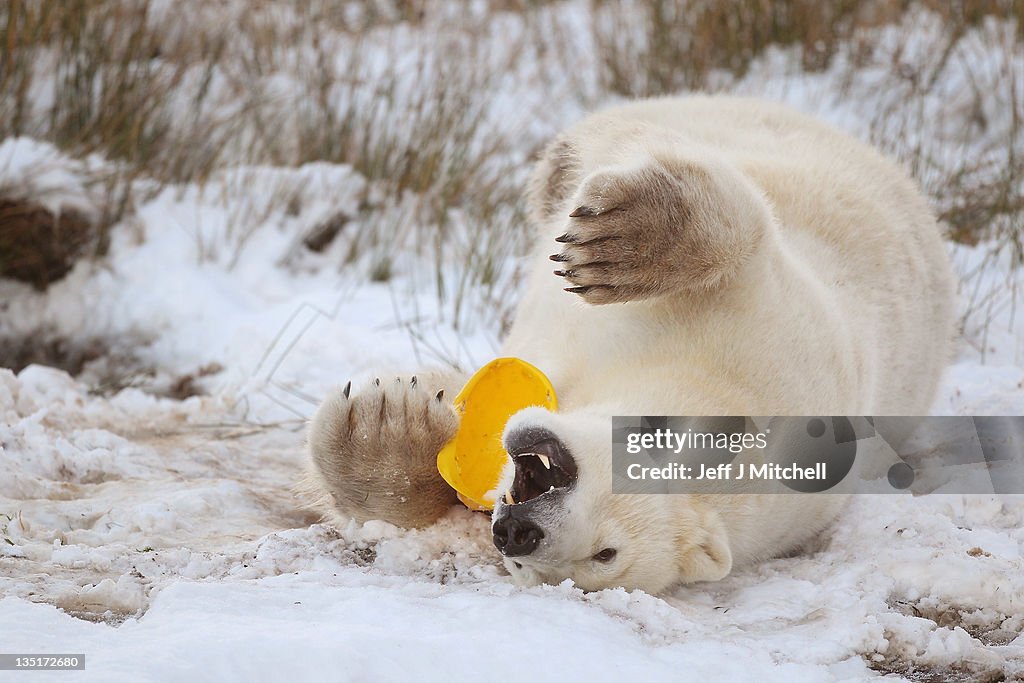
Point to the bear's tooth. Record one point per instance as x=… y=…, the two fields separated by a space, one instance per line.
x=544 y=460
x=509 y=499
x=552 y=488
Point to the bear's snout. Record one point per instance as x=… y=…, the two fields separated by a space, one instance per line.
x=515 y=536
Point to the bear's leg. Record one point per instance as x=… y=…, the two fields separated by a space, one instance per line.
x=374 y=453
x=663 y=225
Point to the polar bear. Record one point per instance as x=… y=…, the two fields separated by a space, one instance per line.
x=712 y=256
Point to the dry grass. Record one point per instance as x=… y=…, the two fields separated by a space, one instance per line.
x=174 y=99
x=401 y=90
x=688 y=44
x=665 y=46
x=90 y=76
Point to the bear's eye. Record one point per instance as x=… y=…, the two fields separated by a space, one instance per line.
x=606 y=555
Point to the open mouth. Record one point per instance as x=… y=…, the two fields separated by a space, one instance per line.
x=541 y=467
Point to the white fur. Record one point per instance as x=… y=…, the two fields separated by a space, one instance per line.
x=843 y=308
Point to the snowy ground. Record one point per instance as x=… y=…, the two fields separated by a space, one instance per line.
x=163 y=539
x=162 y=536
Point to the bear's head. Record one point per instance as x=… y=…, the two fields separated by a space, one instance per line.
x=556 y=517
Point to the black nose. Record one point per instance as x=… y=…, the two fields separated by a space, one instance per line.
x=515 y=537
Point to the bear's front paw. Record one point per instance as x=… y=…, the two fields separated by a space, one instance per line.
x=649 y=230
x=375 y=453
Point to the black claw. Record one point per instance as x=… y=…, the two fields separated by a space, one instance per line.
x=584 y=211
x=347 y=389
x=440 y=395
x=559 y=258
x=566 y=239
x=413 y=382
x=565 y=273
x=376 y=381
x=577 y=290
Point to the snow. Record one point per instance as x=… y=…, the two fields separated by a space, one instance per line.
x=36 y=169
x=163 y=539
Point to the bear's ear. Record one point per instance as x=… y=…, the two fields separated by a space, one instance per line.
x=703 y=548
x=553 y=180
